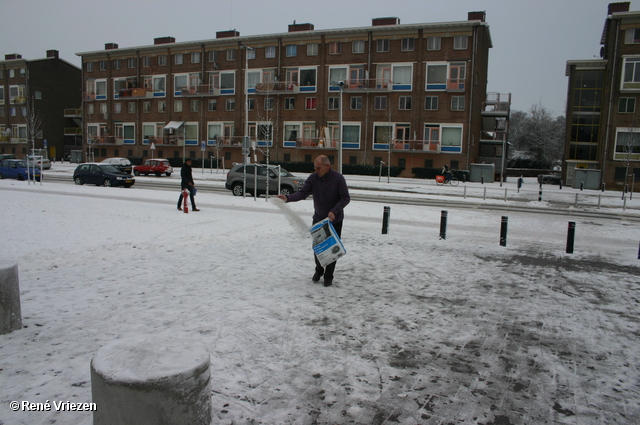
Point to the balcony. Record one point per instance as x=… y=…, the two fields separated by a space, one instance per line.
x=72 y=131
x=455 y=84
x=376 y=85
x=73 y=113
x=137 y=93
x=199 y=90
x=18 y=100
x=278 y=87
x=316 y=142
x=432 y=146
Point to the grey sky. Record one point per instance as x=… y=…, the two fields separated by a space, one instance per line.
x=532 y=39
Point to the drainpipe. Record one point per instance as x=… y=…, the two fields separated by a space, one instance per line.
x=472 y=79
x=609 y=109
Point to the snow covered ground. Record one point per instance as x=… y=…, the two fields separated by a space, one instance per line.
x=415 y=330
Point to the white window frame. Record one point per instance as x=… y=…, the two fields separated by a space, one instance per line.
x=357 y=46
x=437 y=85
x=434 y=43
x=460 y=42
x=124 y=129
x=291 y=50
x=270 y=52
x=407 y=44
x=312 y=49
x=620 y=152
x=382 y=45
x=630 y=75
x=178 y=58
x=458 y=103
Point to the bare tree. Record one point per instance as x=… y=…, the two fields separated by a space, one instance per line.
x=33 y=120
x=539 y=134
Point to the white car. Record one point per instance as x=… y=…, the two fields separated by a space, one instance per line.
x=122 y=164
x=41 y=163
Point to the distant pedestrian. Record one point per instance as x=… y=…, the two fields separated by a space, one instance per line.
x=447 y=173
x=187 y=183
x=330 y=196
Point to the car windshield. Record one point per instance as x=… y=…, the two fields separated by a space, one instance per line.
x=108 y=168
x=22 y=164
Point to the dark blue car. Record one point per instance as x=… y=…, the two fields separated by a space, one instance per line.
x=17 y=169
x=102 y=175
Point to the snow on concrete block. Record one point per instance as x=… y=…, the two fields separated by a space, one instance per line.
x=146 y=381
x=10 y=314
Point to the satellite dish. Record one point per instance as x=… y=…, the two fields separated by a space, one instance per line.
x=602 y=52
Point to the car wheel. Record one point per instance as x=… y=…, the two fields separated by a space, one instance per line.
x=1 y=176
x=168 y=174
x=20 y=177
x=78 y=180
x=136 y=172
x=106 y=183
x=237 y=189
x=285 y=190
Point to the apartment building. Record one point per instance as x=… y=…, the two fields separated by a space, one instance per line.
x=33 y=97
x=411 y=94
x=602 y=146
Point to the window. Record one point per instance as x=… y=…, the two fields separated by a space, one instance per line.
x=89 y=66
x=191 y=133
x=436 y=76
x=251 y=104
x=380 y=103
x=270 y=52
x=194 y=105
x=291 y=133
x=457 y=75
x=162 y=106
x=451 y=138
x=627 y=105
x=291 y=50
x=289 y=103
x=213 y=56
x=230 y=105
x=405 y=103
x=382 y=45
x=90 y=107
x=269 y=104
x=631 y=74
x=407 y=44
x=103 y=108
x=334 y=48
x=178 y=59
x=146 y=107
x=627 y=144
x=162 y=60
x=103 y=65
x=356 y=103
x=131 y=63
x=116 y=63
x=231 y=55
x=308 y=78
x=351 y=135
x=146 y=61
x=312 y=49
x=402 y=76
x=431 y=103
x=117 y=107
x=155 y=84
x=131 y=107
x=23 y=72
x=457 y=103
x=336 y=75
x=357 y=46
x=431 y=137
x=212 y=104
x=433 y=43
x=310 y=103
x=334 y=103
x=126 y=133
x=460 y=42
x=195 y=57
x=587 y=90
x=251 y=54
x=177 y=106
x=224 y=81
x=632 y=36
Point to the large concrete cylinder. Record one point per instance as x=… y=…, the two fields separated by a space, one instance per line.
x=143 y=381
x=10 y=314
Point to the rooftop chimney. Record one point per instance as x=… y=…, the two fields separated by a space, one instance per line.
x=164 y=40
x=227 y=34
x=52 y=54
x=385 y=21
x=619 y=7
x=477 y=16
x=110 y=46
x=300 y=27
x=12 y=56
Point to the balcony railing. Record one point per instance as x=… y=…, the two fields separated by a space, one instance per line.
x=72 y=131
x=135 y=93
x=200 y=90
x=367 y=84
x=410 y=145
x=72 y=112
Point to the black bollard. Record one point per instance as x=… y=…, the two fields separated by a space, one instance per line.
x=503 y=230
x=571 y=236
x=540 y=194
x=385 y=220
x=443 y=225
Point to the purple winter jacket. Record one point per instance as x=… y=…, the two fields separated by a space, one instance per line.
x=330 y=194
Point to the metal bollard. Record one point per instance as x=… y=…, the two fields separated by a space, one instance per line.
x=443 y=225
x=385 y=220
x=503 y=230
x=571 y=236
x=581 y=185
x=540 y=193
x=639 y=252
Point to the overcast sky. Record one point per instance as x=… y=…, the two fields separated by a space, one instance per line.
x=532 y=40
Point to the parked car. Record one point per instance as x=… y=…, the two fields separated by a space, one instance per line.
x=17 y=169
x=102 y=175
x=41 y=163
x=288 y=182
x=7 y=156
x=122 y=164
x=154 y=166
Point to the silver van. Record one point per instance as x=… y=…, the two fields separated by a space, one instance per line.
x=235 y=180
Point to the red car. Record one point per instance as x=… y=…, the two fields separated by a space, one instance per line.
x=154 y=166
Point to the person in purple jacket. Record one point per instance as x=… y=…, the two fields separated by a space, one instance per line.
x=330 y=196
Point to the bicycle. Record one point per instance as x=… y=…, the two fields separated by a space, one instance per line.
x=440 y=181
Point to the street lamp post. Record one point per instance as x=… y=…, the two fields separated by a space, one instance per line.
x=245 y=143
x=341 y=85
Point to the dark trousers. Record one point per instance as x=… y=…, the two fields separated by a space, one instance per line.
x=328 y=271
x=193 y=202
